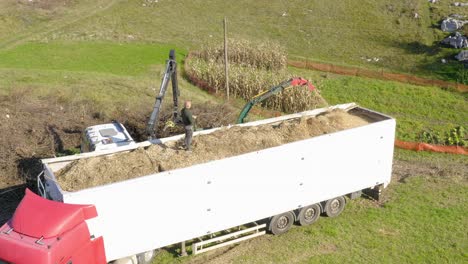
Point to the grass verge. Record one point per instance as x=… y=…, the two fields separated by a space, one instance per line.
x=416 y=108
x=103 y=57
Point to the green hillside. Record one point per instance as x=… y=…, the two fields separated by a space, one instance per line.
x=339 y=31
x=109 y=55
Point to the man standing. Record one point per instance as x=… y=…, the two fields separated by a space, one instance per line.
x=189 y=122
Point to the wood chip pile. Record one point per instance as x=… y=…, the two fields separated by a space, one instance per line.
x=226 y=142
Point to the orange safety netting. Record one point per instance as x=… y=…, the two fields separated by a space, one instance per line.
x=428 y=147
x=376 y=74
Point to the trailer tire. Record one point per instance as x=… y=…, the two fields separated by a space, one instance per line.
x=309 y=214
x=335 y=206
x=280 y=224
x=146 y=257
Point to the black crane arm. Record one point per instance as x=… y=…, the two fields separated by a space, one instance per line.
x=170 y=73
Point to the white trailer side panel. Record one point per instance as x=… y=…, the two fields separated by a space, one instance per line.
x=165 y=208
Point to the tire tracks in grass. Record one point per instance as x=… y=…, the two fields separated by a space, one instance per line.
x=58 y=25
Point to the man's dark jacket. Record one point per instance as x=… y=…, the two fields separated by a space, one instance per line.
x=187 y=117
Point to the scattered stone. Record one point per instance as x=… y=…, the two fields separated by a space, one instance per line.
x=457 y=16
x=460 y=4
x=374 y=59
x=452 y=24
x=458 y=41
x=432 y=1
x=462 y=56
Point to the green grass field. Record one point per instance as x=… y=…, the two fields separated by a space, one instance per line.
x=115 y=58
x=342 y=32
x=112 y=54
x=25 y=20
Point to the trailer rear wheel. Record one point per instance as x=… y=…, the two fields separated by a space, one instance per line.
x=146 y=257
x=309 y=214
x=335 y=206
x=281 y=223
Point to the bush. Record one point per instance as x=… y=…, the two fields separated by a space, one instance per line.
x=462 y=75
x=454 y=137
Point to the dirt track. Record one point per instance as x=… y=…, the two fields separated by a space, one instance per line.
x=377 y=74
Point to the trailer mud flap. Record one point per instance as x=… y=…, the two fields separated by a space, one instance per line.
x=374 y=192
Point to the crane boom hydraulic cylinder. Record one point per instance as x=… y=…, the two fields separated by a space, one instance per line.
x=169 y=74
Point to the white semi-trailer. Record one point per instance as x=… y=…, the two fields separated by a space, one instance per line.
x=252 y=193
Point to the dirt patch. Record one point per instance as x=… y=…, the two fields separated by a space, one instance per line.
x=224 y=143
x=9 y=200
x=402 y=170
x=380 y=74
x=36 y=128
x=33 y=129
x=46 y=4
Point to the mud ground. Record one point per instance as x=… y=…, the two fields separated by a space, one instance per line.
x=35 y=128
x=32 y=129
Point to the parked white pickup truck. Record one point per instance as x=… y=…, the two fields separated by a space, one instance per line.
x=252 y=193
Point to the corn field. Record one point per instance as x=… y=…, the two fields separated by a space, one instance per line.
x=246 y=81
x=265 y=55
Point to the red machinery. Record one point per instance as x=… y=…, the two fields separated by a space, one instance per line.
x=269 y=93
x=58 y=234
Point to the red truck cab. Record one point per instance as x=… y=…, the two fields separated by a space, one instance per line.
x=48 y=232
